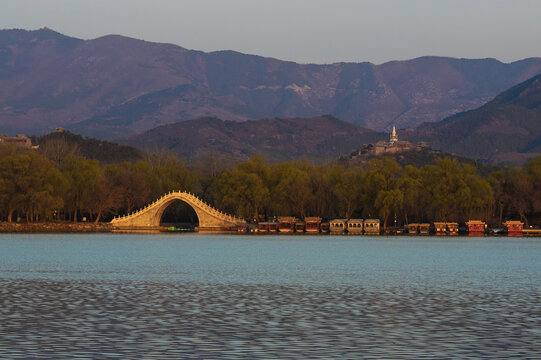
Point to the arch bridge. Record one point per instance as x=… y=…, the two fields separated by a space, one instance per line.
x=148 y=217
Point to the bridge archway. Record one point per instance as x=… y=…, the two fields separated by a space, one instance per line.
x=179 y=214
x=150 y=216
x=169 y=201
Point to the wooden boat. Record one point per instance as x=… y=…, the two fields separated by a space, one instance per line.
x=446 y=228
x=300 y=226
x=452 y=228
x=312 y=224
x=338 y=226
x=355 y=226
x=263 y=227
x=413 y=228
x=324 y=227
x=175 y=229
x=371 y=226
x=248 y=228
x=273 y=226
x=424 y=229
x=476 y=227
x=440 y=228
x=514 y=228
x=286 y=224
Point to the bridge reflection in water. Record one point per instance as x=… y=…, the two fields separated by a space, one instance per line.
x=149 y=217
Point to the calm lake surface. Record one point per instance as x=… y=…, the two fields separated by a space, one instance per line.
x=196 y=296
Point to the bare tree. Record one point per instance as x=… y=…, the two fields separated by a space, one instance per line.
x=57 y=149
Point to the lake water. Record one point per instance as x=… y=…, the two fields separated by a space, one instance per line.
x=186 y=296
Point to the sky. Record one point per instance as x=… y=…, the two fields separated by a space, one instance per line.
x=304 y=31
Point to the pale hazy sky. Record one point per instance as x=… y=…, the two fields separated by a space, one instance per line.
x=306 y=31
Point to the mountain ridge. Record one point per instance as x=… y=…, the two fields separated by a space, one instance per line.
x=506 y=129
x=113 y=86
x=321 y=139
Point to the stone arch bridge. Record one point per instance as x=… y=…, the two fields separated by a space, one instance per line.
x=149 y=217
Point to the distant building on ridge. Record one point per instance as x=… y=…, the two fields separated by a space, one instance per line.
x=389 y=147
x=19 y=140
x=394 y=138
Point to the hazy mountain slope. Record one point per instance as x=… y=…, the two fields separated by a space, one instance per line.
x=321 y=138
x=508 y=125
x=114 y=86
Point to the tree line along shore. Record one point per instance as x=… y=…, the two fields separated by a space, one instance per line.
x=37 y=188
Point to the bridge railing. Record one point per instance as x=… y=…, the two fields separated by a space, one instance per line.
x=193 y=198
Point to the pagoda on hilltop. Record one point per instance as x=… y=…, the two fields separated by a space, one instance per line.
x=391 y=146
x=393 y=139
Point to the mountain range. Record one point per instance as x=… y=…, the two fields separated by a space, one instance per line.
x=506 y=130
x=114 y=86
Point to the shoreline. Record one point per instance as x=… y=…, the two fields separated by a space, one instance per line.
x=28 y=228
x=71 y=228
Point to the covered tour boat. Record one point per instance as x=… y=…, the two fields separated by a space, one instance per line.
x=514 y=228
x=446 y=228
x=312 y=224
x=476 y=227
x=338 y=226
x=325 y=227
x=371 y=226
x=355 y=226
x=267 y=226
x=424 y=229
x=286 y=224
x=413 y=228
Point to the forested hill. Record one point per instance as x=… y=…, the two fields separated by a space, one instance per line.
x=115 y=86
x=320 y=139
x=417 y=158
x=59 y=144
x=505 y=130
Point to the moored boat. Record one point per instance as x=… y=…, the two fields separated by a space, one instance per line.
x=300 y=226
x=476 y=227
x=338 y=226
x=371 y=226
x=355 y=226
x=514 y=228
x=262 y=227
x=176 y=229
x=424 y=229
x=312 y=224
x=413 y=228
x=273 y=226
x=440 y=228
x=286 y=224
x=325 y=227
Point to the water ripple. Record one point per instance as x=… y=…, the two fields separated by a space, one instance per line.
x=158 y=320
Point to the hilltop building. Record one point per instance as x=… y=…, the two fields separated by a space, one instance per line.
x=393 y=138
x=389 y=147
x=19 y=140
